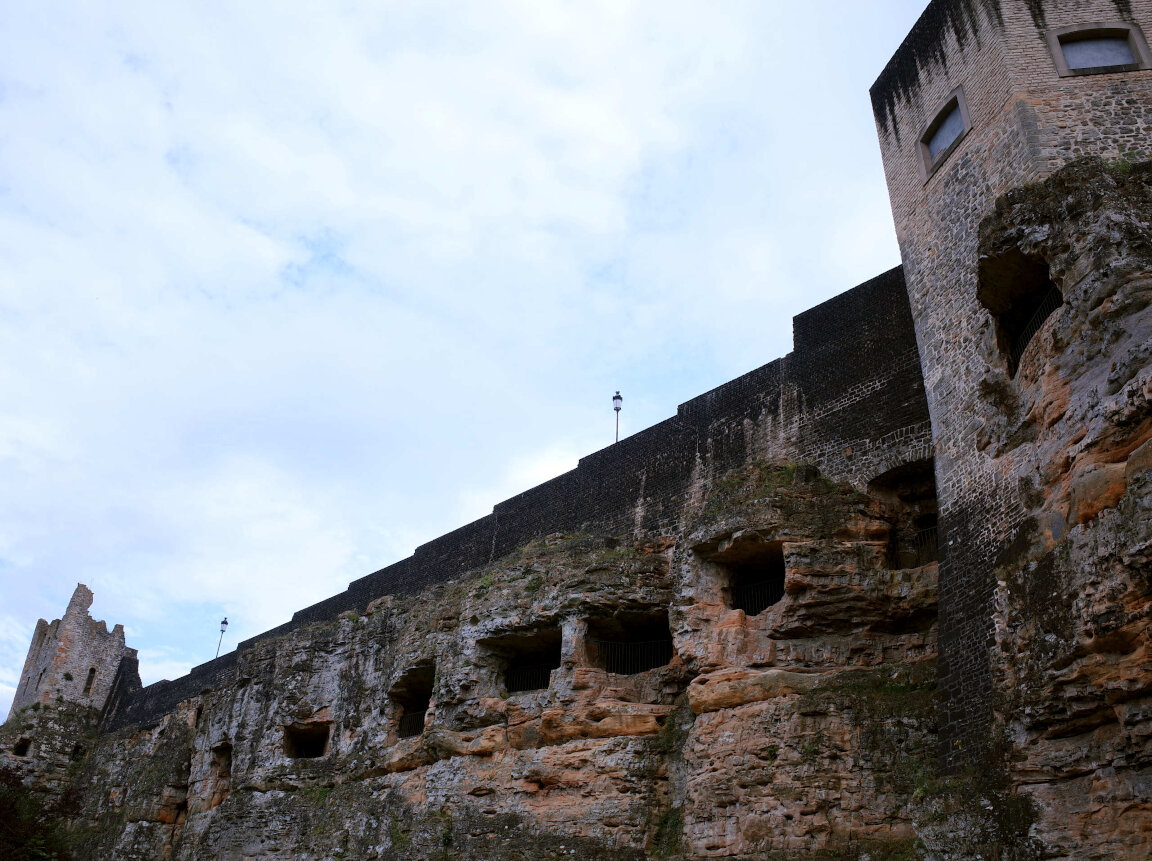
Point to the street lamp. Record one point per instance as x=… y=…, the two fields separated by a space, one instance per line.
x=616 y=402
x=223 y=628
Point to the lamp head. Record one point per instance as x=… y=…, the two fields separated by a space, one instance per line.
x=224 y=625
x=617 y=401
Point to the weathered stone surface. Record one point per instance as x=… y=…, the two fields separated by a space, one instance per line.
x=300 y=755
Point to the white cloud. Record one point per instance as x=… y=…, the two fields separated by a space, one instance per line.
x=288 y=290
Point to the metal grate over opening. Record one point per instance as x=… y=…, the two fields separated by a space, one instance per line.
x=410 y=725
x=625 y=658
x=755 y=598
x=1049 y=302
x=528 y=677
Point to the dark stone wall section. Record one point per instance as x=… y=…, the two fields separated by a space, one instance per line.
x=849 y=398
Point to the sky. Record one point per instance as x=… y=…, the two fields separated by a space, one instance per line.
x=288 y=289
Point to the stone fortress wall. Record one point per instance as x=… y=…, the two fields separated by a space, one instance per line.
x=848 y=399
x=1001 y=380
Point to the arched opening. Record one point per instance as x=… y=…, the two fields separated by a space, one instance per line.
x=412 y=694
x=22 y=747
x=88 y=682
x=1018 y=290
x=908 y=493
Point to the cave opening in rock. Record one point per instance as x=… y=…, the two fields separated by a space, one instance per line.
x=1018 y=290
x=529 y=658
x=412 y=695
x=630 y=642
x=754 y=575
x=306 y=740
x=908 y=495
x=21 y=747
x=220 y=774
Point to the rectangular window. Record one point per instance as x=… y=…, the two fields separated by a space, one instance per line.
x=944 y=133
x=1097 y=53
x=1094 y=49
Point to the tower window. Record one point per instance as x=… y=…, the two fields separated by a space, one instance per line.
x=1093 y=49
x=945 y=132
x=89 y=681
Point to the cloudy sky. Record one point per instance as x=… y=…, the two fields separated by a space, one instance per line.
x=289 y=289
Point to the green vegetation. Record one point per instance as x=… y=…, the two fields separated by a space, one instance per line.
x=668 y=832
x=315 y=794
x=30 y=829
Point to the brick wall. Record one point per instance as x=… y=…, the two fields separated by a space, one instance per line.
x=1026 y=121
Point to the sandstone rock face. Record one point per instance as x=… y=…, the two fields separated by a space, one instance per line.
x=667 y=713
x=1072 y=430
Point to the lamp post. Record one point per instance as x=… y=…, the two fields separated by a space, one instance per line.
x=223 y=628
x=616 y=402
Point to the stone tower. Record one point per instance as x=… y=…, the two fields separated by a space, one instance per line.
x=1032 y=329
x=73 y=660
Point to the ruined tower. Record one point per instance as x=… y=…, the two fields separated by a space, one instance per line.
x=986 y=96
x=73 y=659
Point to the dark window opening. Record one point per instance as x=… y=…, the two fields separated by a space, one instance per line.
x=630 y=643
x=908 y=494
x=21 y=747
x=752 y=572
x=221 y=768
x=199 y=714
x=78 y=751
x=1019 y=292
x=413 y=694
x=307 y=740
x=88 y=682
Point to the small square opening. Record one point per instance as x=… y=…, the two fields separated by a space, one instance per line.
x=630 y=643
x=530 y=661
x=306 y=740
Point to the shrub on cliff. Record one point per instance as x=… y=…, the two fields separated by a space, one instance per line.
x=29 y=828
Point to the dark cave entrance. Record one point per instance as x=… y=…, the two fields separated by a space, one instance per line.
x=412 y=693
x=304 y=740
x=908 y=492
x=630 y=643
x=1018 y=290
